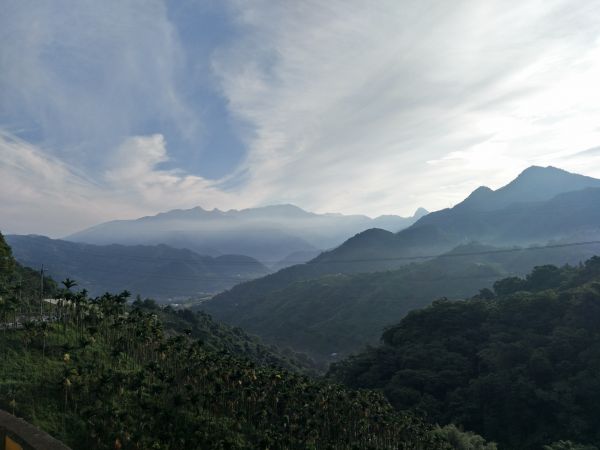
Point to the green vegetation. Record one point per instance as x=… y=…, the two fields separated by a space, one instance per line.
x=340 y=314
x=519 y=366
x=103 y=375
x=461 y=440
x=100 y=375
x=159 y=271
x=518 y=362
x=219 y=336
x=20 y=288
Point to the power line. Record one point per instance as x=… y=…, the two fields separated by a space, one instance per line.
x=456 y=255
x=317 y=261
x=193 y=258
x=114 y=271
x=240 y=279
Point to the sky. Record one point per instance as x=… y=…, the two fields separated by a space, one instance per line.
x=123 y=108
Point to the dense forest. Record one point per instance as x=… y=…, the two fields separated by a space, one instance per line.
x=159 y=271
x=219 y=336
x=20 y=286
x=520 y=364
x=101 y=374
x=339 y=314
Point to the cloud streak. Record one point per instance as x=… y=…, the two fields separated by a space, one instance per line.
x=42 y=194
x=351 y=102
x=79 y=77
x=348 y=106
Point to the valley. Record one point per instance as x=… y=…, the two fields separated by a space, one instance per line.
x=416 y=317
x=299 y=225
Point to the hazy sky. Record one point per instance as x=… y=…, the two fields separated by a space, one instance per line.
x=116 y=109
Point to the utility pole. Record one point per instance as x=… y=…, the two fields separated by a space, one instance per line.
x=21 y=297
x=42 y=293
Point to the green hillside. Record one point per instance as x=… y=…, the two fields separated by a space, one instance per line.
x=156 y=271
x=20 y=287
x=519 y=365
x=219 y=336
x=340 y=314
x=96 y=385
x=102 y=375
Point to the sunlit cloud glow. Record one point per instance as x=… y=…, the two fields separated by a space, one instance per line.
x=345 y=106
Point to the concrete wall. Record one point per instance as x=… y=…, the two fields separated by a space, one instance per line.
x=16 y=434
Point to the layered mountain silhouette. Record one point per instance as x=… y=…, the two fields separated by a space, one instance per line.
x=276 y=235
x=377 y=276
x=540 y=205
x=157 y=271
x=335 y=315
x=565 y=211
x=534 y=184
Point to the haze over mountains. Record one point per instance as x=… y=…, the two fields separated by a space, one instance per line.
x=190 y=253
x=271 y=234
x=332 y=316
x=540 y=211
x=341 y=301
x=529 y=210
x=332 y=312
x=539 y=205
x=194 y=252
x=156 y=271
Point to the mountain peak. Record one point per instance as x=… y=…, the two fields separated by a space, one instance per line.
x=534 y=172
x=282 y=207
x=481 y=190
x=477 y=199
x=420 y=212
x=533 y=184
x=285 y=210
x=538 y=183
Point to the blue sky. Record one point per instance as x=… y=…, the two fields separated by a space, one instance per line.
x=122 y=70
x=119 y=108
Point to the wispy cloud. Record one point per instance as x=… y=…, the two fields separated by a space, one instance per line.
x=346 y=105
x=351 y=101
x=39 y=193
x=42 y=194
x=78 y=77
x=136 y=176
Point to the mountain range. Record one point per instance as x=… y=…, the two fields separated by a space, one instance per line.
x=339 y=299
x=276 y=235
x=531 y=209
x=343 y=298
x=335 y=315
x=157 y=271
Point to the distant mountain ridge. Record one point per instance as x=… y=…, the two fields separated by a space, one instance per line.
x=270 y=234
x=158 y=271
x=534 y=184
x=335 y=315
x=568 y=216
x=530 y=210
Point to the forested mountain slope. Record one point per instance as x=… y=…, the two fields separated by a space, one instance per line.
x=219 y=337
x=550 y=205
x=340 y=314
x=519 y=366
x=101 y=375
x=157 y=271
x=20 y=296
x=540 y=205
x=18 y=282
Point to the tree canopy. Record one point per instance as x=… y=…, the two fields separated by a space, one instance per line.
x=521 y=369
